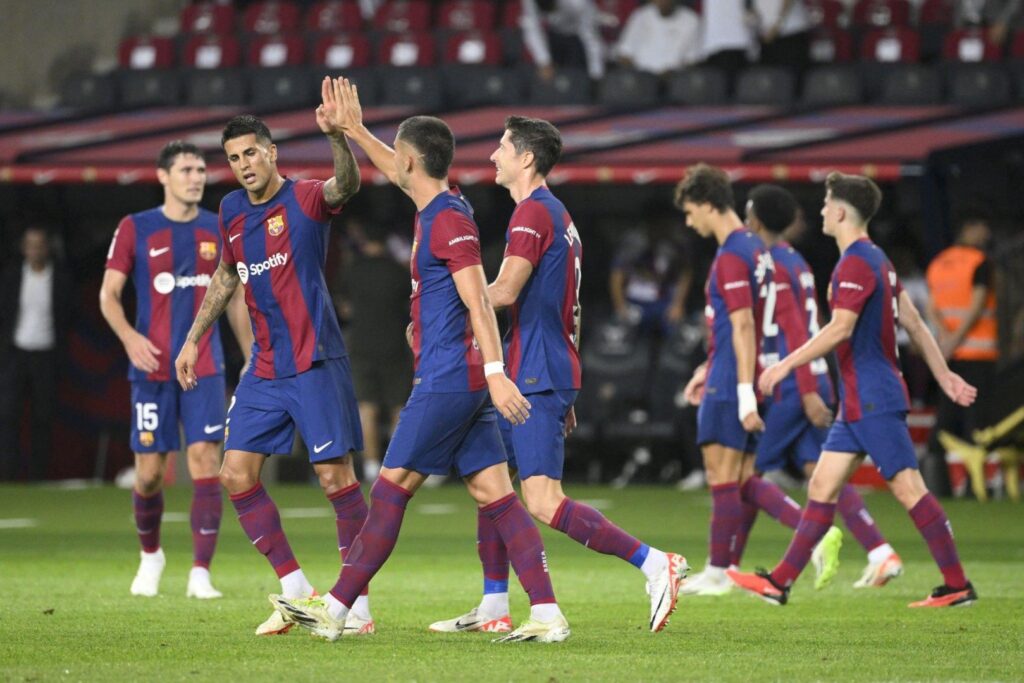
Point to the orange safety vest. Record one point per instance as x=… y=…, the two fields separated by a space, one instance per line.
x=950 y=280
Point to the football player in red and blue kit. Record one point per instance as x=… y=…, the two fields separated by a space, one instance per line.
x=798 y=415
x=459 y=386
x=170 y=253
x=740 y=311
x=539 y=285
x=275 y=234
x=867 y=303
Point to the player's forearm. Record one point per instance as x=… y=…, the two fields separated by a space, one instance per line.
x=218 y=294
x=381 y=156
x=346 y=173
x=821 y=344
x=485 y=329
x=923 y=340
x=744 y=345
x=500 y=296
x=577 y=325
x=113 y=312
x=241 y=327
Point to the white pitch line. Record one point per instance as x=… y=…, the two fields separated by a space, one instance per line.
x=436 y=508
x=22 y=523
x=598 y=503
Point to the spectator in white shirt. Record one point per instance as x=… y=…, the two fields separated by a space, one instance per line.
x=659 y=37
x=727 y=37
x=784 y=27
x=563 y=33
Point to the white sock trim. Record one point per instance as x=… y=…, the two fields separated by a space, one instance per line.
x=655 y=563
x=335 y=607
x=545 y=612
x=361 y=607
x=295 y=585
x=493 y=605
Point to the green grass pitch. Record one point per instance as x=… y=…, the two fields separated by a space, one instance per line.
x=65 y=611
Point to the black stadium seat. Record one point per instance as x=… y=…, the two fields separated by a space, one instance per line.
x=411 y=85
x=765 y=85
x=282 y=88
x=211 y=87
x=569 y=86
x=978 y=84
x=88 y=92
x=833 y=85
x=910 y=84
x=467 y=85
x=149 y=88
x=699 y=86
x=628 y=88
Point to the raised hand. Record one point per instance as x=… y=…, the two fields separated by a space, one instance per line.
x=339 y=112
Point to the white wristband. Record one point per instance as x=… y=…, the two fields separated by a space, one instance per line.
x=747 y=399
x=495 y=368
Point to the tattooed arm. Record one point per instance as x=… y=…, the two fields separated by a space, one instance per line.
x=330 y=117
x=219 y=293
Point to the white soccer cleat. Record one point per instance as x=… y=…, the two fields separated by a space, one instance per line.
x=877 y=574
x=473 y=621
x=664 y=591
x=147 y=580
x=710 y=582
x=311 y=614
x=199 y=585
x=275 y=625
x=355 y=625
x=554 y=631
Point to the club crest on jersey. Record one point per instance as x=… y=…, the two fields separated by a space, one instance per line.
x=275 y=225
x=146 y=438
x=207 y=250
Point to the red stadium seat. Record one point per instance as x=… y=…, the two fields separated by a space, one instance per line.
x=828 y=13
x=400 y=16
x=510 y=14
x=830 y=45
x=342 y=51
x=891 y=45
x=934 y=12
x=472 y=47
x=881 y=13
x=406 y=49
x=467 y=15
x=271 y=52
x=271 y=17
x=970 y=45
x=208 y=17
x=1017 y=46
x=334 y=16
x=141 y=53
x=210 y=51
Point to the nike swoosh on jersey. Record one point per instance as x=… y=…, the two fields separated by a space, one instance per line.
x=153 y=253
x=210 y=429
x=318 y=449
x=232 y=238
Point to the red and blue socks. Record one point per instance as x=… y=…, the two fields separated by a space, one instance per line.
x=261 y=522
x=814 y=523
x=858 y=521
x=350 y=514
x=524 y=546
x=931 y=521
x=149 y=511
x=494 y=560
x=205 y=514
x=590 y=528
x=759 y=494
x=726 y=515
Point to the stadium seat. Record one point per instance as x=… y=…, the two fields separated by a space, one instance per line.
x=569 y=86
x=467 y=85
x=510 y=14
x=146 y=52
x=212 y=87
x=411 y=85
x=698 y=86
x=208 y=17
x=406 y=49
x=891 y=45
x=626 y=88
x=400 y=16
x=970 y=45
x=833 y=85
x=978 y=85
x=210 y=51
x=615 y=357
x=334 y=16
x=342 y=51
x=149 y=88
x=934 y=20
x=286 y=87
x=274 y=51
x=88 y=92
x=271 y=17
x=830 y=46
x=467 y=15
x=881 y=13
x=765 y=85
x=908 y=84
x=1016 y=53
x=828 y=13
x=472 y=47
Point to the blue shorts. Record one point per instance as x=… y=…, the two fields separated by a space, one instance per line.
x=718 y=422
x=885 y=437
x=158 y=407
x=788 y=437
x=320 y=401
x=538 y=447
x=437 y=433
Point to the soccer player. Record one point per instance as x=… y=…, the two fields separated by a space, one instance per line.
x=740 y=297
x=539 y=283
x=275 y=233
x=867 y=302
x=171 y=252
x=798 y=414
x=448 y=421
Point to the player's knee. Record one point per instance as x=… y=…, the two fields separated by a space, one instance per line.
x=148 y=482
x=335 y=478
x=822 y=488
x=236 y=481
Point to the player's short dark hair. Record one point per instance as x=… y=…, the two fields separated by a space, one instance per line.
x=856 y=190
x=246 y=124
x=171 y=151
x=537 y=136
x=775 y=207
x=433 y=139
x=704 y=184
